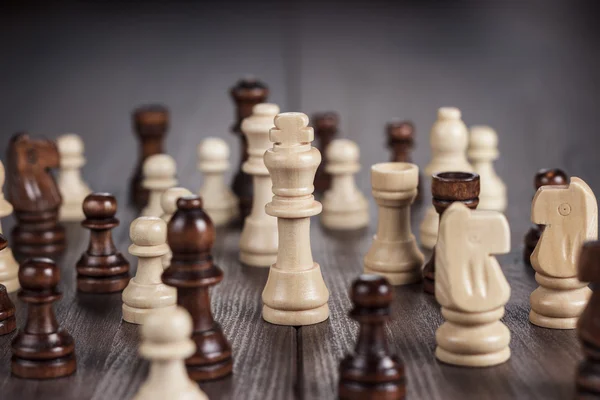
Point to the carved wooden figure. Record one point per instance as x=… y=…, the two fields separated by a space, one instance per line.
x=7 y=308
x=483 y=150
x=35 y=196
x=295 y=293
x=101 y=268
x=401 y=142
x=150 y=123
x=372 y=372
x=325 y=128
x=471 y=288
x=570 y=216
x=41 y=350
x=168 y=203
x=247 y=93
x=72 y=187
x=191 y=235
x=543 y=177
x=394 y=252
x=160 y=173
x=9 y=268
x=446 y=188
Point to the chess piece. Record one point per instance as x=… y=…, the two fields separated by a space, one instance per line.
x=344 y=206
x=150 y=123
x=446 y=188
x=471 y=288
x=35 y=196
x=449 y=140
x=9 y=268
x=570 y=216
x=213 y=161
x=401 y=141
x=326 y=128
x=41 y=350
x=159 y=175
x=70 y=184
x=166 y=343
x=372 y=372
x=543 y=177
x=258 y=242
x=101 y=268
x=247 y=93
x=394 y=252
x=295 y=293
x=7 y=308
x=168 y=203
x=483 y=150
x=191 y=235
x=146 y=293
x=588 y=328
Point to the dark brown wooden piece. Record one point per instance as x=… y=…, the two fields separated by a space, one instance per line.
x=543 y=177
x=101 y=268
x=446 y=188
x=150 y=123
x=191 y=235
x=41 y=350
x=7 y=308
x=246 y=93
x=401 y=142
x=326 y=128
x=34 y=195
x=372 y=372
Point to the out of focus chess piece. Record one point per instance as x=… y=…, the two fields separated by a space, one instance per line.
x=326 y=128
x=401 y=142
x=9 y=268
x=160 y=173
x=72 y=187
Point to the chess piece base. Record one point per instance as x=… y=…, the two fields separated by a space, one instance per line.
x=102 y=274
x=150 y=391
x=47 y=369
x=135 y=315
x=257 y=260
x=71 y=212
x=476 y=360
x=205 y=369
x=381 y=391
x=345 y=220
x=559 y=303
x=399 y=262
x=295 y=318
x=552 y=323
x=8 y=325
x=429 y=228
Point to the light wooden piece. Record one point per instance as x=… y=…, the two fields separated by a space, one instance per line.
x=166 y=343
x=159 y=173
x=259 y=240
x=70 y=184
x=146 y=293
x=168 y=203
x=570 y=216
x=471 y=287
x=295 y=293
x=449 y=140
x=219 y=201
x=483 y=150
x=9 y=268
x=344 y=206
x=394 y=252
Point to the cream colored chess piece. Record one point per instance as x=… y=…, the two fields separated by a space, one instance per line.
x=448 y=140
x=9 y=268
x=344 y=206
x=471 y=288
x=570 y=216
x=258 y=242
x=166 y=343
x=394 y=253
x=70 y=184
x=483 y=150
x=219 y=201
x=295 y=293
x=159 y=173
x=168 y=203
x=145 y=293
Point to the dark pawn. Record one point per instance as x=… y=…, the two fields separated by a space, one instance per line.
x=587 y=378
x=401 y=141
x=543 y=177
x=101 y=269
x=326 y=128
x=33 y=192
x=191 y=235
x=41 y=350
x=7 y=308
x=247 y=93
x=371 y=372
x=150 y=123
x=446 y=188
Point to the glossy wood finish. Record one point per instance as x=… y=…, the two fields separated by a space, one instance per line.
x=325 y=125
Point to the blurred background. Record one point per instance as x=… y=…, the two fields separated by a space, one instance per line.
x=529 y=69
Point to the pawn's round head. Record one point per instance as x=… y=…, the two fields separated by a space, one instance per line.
x=483 y=137
x=167 y=326
x=98 y=206
x=148 y=231
x=371 y=291
x=449 y=114
x=213 y=149
x=342 y=151
x=159 y=166
x=39 y=274
x=70 y=144
x=190 y=229
x=168 y=200
x=550 y=176
x=400 y=131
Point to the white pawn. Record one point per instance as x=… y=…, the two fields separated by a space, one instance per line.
x=168 y=202
x=9 y=268
x=159 y=173
x=449 y=140
x=166 y=343
x=219 y=201
x=70 y=184
x=146 y=293
x=483 y=150
x=344 y=206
